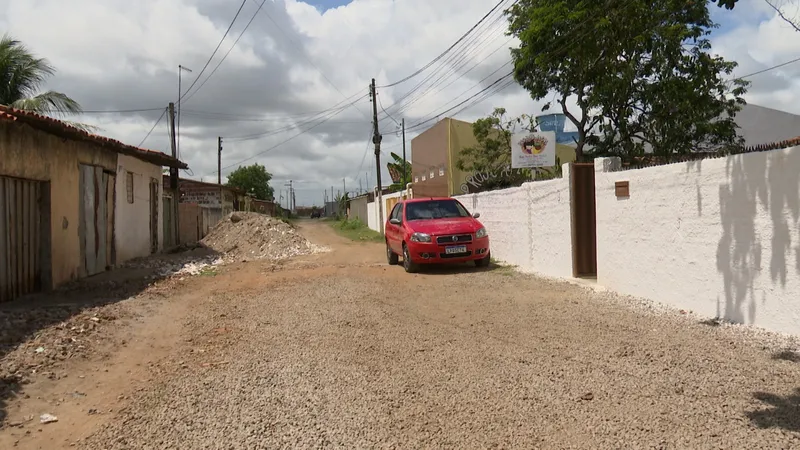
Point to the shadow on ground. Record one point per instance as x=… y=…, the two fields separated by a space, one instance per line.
x=25 y=318
x=780 y=412
x=453 y=269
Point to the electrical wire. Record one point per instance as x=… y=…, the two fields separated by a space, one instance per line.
x=451 y=65
x=229 y=51
x=181 y=96
x=117 y=111
x=334 y=112
x=767 y=69
x=302 y=52
x=446 y=51
x=280 y=143
x=164 y=112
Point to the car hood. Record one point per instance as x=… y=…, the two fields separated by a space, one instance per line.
x=439 y=227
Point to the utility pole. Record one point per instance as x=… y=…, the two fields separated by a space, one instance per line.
x=360 y=189
x=376 y=139
x=403 y=124
x=173 y=176
x=219 y=160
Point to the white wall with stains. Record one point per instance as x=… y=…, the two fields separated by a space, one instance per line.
x=132 y=220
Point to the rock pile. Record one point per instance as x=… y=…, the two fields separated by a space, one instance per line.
x=244 y=236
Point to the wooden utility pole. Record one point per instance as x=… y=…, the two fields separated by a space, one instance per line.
x=173 y=177
x=403 y=125
x=219 y=160
x=376 y=139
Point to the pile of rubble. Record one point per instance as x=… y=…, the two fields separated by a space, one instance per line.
x=245 y=236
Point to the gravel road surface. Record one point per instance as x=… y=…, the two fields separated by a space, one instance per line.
x=339 y=350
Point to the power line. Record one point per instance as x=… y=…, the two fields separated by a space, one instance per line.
x=215 y=51
x=164 y=112
x=229 y=50
x=280 y=143
x=334 y=111
x=456 y=59
x=767 y=69
x=446 y=51
x=303 y=53
x=117 y=111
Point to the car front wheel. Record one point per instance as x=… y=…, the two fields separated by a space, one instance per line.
x=408 y=265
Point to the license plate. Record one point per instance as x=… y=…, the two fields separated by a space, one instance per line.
x=455 y=249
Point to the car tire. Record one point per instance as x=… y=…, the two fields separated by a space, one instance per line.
x=391 y=257
x=484 y=262
x=408 y=265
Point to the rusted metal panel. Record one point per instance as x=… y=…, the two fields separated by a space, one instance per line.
x=94 y=219
x=20 y=240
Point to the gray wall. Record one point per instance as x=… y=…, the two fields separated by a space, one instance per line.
x=358 y=208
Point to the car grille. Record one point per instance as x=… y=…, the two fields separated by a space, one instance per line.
x=460 y=238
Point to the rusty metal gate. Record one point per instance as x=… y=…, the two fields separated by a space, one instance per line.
x=584 y=226
x=96 y=219
x=20 y=237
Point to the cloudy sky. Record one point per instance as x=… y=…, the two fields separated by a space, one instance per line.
x=292 y=93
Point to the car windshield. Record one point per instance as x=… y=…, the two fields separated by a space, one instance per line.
x=435 y=209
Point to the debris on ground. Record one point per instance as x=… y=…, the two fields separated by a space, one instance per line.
x=245 y=236
x=48 y=418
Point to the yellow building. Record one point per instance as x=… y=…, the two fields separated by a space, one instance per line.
x=434 y=154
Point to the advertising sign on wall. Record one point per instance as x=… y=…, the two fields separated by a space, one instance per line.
x=533 y=150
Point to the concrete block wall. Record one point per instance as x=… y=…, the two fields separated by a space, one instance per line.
x=719 y=237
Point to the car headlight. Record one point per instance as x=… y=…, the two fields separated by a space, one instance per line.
x=420 y=237
x=480 y=233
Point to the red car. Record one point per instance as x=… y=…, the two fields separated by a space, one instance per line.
x=434 y=231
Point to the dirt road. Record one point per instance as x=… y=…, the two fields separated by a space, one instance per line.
x=340 y=350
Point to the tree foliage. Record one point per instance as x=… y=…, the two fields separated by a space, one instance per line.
x=253 y=179
x=490 y=160
x=22 y=75
x=397 y=165
x=639 y=71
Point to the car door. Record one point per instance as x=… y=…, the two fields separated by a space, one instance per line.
x=392 y=230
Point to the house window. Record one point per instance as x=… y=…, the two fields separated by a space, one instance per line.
x=423 y=178
x=441 y=171
x=431 y=174
x=129 y=186
x=416 y=179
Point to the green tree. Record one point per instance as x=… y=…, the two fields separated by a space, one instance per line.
x=397 y=165
x=639 y=70
x=489 y=162
x=253 y=179
x=21 y=77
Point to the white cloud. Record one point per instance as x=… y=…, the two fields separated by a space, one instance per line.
x=114 y=54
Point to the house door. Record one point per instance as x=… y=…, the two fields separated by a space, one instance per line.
x=584 y=234
x=22 y=260
x=96 y=215
x=153 y=215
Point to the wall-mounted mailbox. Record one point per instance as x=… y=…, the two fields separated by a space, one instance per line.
x=622 y=189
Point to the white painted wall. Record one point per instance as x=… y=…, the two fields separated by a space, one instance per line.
x=719 y=237
x=529 y=226
x=375 y=218
x=132 y=221
x=372 y=216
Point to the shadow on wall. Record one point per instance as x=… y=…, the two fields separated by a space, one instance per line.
x=757 y=183
x=782 y=412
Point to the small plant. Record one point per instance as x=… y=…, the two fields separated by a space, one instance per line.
x=356 y=230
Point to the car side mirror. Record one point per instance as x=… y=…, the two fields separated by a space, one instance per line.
x=394 y=221
x=476 y=215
